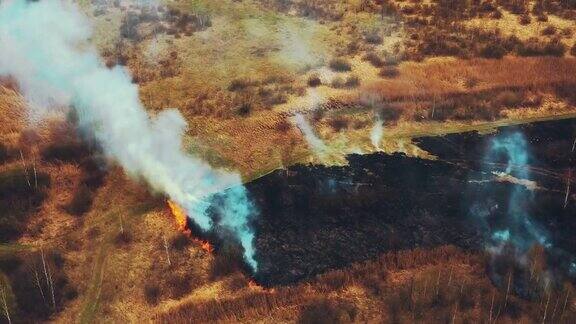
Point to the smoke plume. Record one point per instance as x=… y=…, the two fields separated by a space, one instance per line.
x=377 y=132
x=518 y=227
x=44 y=45
x=315 y=143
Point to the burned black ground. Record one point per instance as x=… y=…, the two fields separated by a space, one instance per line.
x=315 y=218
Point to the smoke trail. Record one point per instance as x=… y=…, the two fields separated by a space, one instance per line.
x=377 y=132
x=44 y=46
x=315 y=143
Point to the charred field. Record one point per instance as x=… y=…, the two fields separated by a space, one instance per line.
x=315 y=218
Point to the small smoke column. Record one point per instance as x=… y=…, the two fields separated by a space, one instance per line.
x=519 y=228
x=315 y=143
x=377 y=132
x=502 y=205
x=44 y=46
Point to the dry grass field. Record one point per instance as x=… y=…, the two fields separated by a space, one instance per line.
x=81 y=243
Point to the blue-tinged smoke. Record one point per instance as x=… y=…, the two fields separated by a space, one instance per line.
x=44 y=46
x=509 y=154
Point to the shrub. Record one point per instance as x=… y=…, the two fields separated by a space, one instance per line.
x=524 y=20
x=122 y=239
x=283 y=126
x=339 y=123
x=373 y=38
x=549 y=30
x=239 y=84
x=237 y=282
x=19 y=198
x=244 y=109
x=179 y=241
x=64 y=152
x=81 y=202
x=555 y=48
x=227 y=261
x=3 y=153
x=314 y=81
x=497 y=14
x=389 y=72
x=340 y=65
x=508 y=99
x=542 y=18
x=338 y=82
x=325 y=311
x=352 y=81
x=494 y=51
x=533 y=47
x=151 y=293
x=390 y=113
x=374 y=59
x=178 y=285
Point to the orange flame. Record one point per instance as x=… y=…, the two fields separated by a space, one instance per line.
x=179 y=216
x=182 y=222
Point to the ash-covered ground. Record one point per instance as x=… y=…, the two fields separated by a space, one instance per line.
x=315 y=218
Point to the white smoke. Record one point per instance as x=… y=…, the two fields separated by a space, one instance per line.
x=315 y=143
x=377 y=132
x=44 y=45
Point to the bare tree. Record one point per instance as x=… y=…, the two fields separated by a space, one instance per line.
x=25 y=169
x=167 y=253
x=37 y=279
x=48 y=276
x=5 y=304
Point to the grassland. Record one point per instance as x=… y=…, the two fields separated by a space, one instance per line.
x=239 y=80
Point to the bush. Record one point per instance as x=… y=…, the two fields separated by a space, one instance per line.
x=525 y=20
x=244 y=109
x=340 y=65
x=389 y=72
x=179 y=241
x=508 y=99
x=373 y=38
x=81 y=202
x=326 y=311
x=19 y=198
x=555 y=48
x=533 y=47
x=64 y=152
x=227 y=261
x=494 y=51
x=314 y=81
x=549 y=31
x=542 y=18
x=338 y=82
x=239 y=84
x=122 y=239
x=3 y=153
x=352 y=81
x=178 y=285
x=283 y=126
x=339 y=123
x=374 y=59
x=151 y=293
